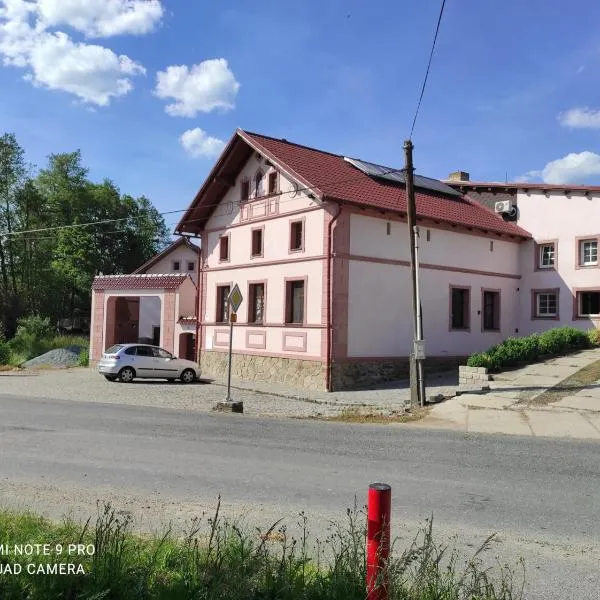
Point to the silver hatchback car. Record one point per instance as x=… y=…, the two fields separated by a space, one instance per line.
x=125 y=362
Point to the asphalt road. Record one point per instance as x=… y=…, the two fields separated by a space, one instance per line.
x=541 y=495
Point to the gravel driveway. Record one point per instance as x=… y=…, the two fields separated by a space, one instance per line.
x=82 y=384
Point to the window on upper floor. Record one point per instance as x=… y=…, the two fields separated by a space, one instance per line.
x=222 y=315
x=588 y=252
x=294 y=301
x=273 y=182
x=546 y=255
x=191 y=266
x=545 y=304
x=588 y=303
x=256 y=303
x=245 y=190
x=296 y=236
x=459 y=308
x=176 y=266
x=257 y=242
x=259 y=184
x=224 y=248
x=491 y=310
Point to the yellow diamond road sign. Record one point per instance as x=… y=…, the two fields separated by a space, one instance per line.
x=235 y=298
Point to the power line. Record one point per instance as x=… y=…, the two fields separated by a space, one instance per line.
x=330 y=185
x=428 y=67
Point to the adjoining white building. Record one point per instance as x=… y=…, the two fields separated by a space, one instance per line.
x=318 y=244
x=559 y=268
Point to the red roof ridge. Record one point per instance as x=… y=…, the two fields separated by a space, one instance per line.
x=286 y=141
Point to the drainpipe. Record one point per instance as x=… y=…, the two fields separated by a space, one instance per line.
x=329 y=352
x=198 y=308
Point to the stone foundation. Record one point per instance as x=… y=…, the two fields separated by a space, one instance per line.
x=312 y=375
x=364 y=374
x=307 y=374
x=474 y=376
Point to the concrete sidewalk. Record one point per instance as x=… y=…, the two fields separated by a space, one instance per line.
x=509 y=407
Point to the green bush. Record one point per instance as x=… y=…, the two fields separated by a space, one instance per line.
x=33 y=337
x=594 y=337
x=513 y=351
x=84 y=358
x=4 y=353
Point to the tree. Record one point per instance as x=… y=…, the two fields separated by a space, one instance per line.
x=52 y=248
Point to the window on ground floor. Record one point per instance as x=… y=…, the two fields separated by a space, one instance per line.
x=588 y=303
x=294 y=302
x=545 y=304
x=256 y=303
x=222 y=304
x=491 y=310
x=459 y=308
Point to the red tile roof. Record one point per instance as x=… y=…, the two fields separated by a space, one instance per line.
x=139 y=282
x=515 y=185
x=333 y=178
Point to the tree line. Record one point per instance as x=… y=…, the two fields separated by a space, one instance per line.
x=50 y=272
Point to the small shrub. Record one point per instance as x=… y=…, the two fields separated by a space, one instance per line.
x=35 y=325
x=4 y=352
x=84 y=358
x=513 y=351
x=594 y=337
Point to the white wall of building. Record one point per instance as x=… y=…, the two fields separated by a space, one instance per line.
x=186 y=256
x=379 y=289
x=561 y=217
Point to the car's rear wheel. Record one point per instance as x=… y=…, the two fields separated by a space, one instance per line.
x=110 y=377
x=188 y=376
x=126 y=375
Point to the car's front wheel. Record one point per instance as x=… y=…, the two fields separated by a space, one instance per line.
x=126 y=375
x=188 y=376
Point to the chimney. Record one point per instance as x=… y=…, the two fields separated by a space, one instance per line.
x=458 y=176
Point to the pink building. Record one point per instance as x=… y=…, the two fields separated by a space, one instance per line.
x=560 y=272
x=155 y=305
x=318 y=244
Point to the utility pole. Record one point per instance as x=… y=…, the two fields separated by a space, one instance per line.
x=417 y=386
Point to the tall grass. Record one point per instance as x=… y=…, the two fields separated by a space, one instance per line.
x=220 y=559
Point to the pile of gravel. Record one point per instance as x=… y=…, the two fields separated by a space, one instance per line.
x=59 y=358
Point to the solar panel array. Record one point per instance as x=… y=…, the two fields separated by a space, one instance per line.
x=397 y=176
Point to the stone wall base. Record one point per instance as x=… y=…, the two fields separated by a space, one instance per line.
x=307 y=374
x=472 y=375
x=366 y=373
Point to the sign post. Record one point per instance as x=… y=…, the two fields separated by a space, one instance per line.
x=234 y=300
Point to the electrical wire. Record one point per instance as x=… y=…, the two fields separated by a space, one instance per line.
x=427 y=70
x=329 y=185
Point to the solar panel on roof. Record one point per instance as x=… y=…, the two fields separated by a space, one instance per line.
x=397 y=176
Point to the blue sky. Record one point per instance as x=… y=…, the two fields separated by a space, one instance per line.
x=513 y=91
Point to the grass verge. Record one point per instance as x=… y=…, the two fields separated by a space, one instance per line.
x=569 y=386
x=218 y=559
x=362 y=415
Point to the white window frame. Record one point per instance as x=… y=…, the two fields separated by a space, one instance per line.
x=582 y=245
x=538 y=304
x=541 y=263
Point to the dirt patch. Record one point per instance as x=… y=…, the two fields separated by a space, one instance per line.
x=358 y=415
x=567 y=387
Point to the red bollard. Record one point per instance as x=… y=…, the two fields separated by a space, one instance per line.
x=378 y=540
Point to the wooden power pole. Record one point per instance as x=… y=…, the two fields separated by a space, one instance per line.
x=417 y=387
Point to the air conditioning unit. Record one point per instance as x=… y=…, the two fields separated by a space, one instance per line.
x=505 y=206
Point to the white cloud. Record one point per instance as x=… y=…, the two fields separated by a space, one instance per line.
x=528 y=176
x=198 y=144
x=101 y=18
x=204 y=87
x=582 y=118
x=93 y=73
x=572 y=168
